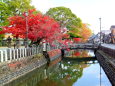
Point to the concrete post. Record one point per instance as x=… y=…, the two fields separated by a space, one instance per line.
x=13 y=51
x=10 y=54
x=22 y=52
x=1 y=56
x=5 y=55
x=17 y=54
x=32 y=51
x=25 y=52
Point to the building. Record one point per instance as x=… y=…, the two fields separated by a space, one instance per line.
x=112 y=28
x=106 y=32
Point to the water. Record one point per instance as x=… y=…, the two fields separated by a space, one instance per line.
x=92 y=77
x=69 y=72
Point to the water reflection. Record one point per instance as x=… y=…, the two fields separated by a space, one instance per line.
x=66 y=73
x=79 y=53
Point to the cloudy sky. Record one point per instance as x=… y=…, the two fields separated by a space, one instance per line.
x=88 y=10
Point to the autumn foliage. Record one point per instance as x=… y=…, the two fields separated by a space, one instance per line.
x=39 y=27
x=77 y=40
x=85 y=32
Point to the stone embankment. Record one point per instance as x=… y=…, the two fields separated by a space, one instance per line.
x=15 y=72
x=54 y=54
x=106 y=57
x=17 y=69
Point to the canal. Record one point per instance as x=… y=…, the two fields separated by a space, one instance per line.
x=73 y=70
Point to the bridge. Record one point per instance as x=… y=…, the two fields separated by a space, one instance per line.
x=83 y=46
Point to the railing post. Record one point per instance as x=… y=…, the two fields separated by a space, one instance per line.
x=17 y=54
x=1 y=56
x=28 y=51
x=32 y=51
x=22 y=52
x=10 y=54
x=5 y=55
x=37 y=50
x=25 y=52
x=13 y=53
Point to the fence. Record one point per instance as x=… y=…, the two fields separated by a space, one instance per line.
x=14 y=54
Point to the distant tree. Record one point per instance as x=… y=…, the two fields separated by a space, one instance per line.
x=74 y=32
x=64 y=16
x=85 y=32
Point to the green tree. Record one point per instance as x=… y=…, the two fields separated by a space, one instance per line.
x=64 y=16
x=19 y=6
x=4 y=13
x=12 y=7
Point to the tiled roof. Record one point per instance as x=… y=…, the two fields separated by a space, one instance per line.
x=112 y=27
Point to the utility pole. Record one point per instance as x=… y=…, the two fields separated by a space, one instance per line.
x=100 y=30
x=26 y=30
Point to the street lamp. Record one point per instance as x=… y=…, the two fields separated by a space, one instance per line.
x=26 y=13
x=100 y=30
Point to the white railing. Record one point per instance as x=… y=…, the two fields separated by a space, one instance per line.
x=15 y=54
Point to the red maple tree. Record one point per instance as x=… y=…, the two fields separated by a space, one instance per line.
x=39 y=27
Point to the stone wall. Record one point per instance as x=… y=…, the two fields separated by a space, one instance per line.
x=8 y=78
x=107 y=64
x=54 y=54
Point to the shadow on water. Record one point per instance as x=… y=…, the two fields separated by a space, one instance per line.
x=66 y=72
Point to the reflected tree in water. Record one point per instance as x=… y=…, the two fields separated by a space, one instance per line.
x=65 y=74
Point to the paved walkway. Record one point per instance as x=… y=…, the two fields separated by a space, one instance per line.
x=111 y=46
x=4 y=48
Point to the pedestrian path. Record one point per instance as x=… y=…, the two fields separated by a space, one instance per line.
x=4 y=47
x=111 y=46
